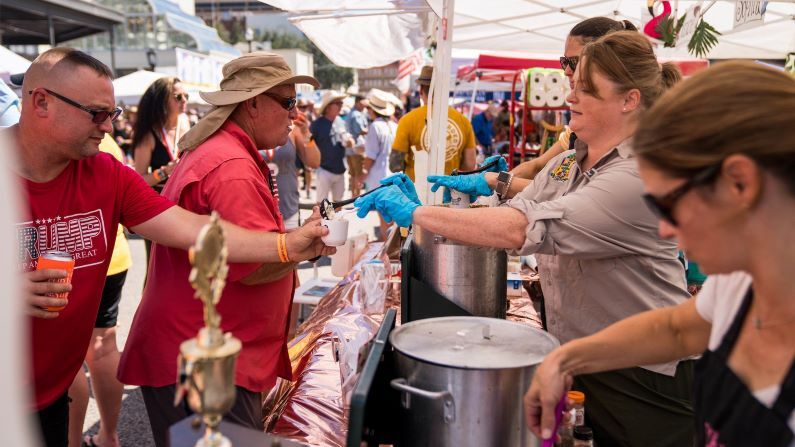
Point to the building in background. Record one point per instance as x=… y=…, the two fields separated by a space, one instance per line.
x=26 y=24
x=150 y=34
x=379 y=77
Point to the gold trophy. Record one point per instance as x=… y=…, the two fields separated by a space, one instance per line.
x=206 y=364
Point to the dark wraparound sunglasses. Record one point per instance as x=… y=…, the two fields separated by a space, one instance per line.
x=663 y=207
x=569 y=61
x=98 y=116
x=287 y=102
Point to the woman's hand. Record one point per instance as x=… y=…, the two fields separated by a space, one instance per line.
x=474 y=184
x=549 y=385
x=169 y=168
x=391 y=202
x=405 y=184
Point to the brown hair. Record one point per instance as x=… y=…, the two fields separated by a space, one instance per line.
x=78 y=58
x=731 y=108
x=591 y=29
x=627 y=59
x=153 y=108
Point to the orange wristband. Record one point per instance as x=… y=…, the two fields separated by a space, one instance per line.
x=281 y=247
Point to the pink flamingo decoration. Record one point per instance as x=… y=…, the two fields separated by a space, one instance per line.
x=651 y=26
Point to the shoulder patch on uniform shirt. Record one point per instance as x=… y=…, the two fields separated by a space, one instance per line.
x=563 y=170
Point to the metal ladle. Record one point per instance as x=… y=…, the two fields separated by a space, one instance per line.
x=478 y=170
x=327 y=207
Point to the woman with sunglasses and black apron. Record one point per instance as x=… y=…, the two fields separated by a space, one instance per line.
x=716 y=156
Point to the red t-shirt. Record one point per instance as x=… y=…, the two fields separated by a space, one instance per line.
x=79 y=211
x=224 y=174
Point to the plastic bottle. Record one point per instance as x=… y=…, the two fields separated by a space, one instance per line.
x=577 y=400
x=566 y=431
x=583 y=436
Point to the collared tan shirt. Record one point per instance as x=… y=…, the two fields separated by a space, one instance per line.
x=599 y=253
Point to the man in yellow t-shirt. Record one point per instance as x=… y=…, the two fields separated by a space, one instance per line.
x=412 y=134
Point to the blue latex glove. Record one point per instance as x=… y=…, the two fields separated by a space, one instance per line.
x=473 y=184
x=501 y=165
x=391 y=202
x=405 y=184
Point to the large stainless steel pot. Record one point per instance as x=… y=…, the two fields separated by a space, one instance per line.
x=471 y=276
x=462 y=380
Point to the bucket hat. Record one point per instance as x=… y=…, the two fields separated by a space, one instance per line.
x=244 y=78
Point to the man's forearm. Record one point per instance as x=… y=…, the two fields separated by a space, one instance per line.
x=468 y=160
x=268 y=273
x=397 y=161
x=243 y=245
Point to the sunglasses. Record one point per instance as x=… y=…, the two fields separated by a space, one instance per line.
x=98 y=116
x=569 y=61
x=663 y=207
x=287 y=102
x=181 y=97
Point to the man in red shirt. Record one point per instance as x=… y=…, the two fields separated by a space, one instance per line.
x=221 y=169
x=76 y=198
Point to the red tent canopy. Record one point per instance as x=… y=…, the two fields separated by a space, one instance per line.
x=495 y=68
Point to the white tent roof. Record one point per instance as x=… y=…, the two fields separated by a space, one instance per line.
x=368 y=33
x=129 y=89
x=11 y=63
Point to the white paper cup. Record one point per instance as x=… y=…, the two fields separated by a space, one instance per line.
x=458 y=199
x=337 y=232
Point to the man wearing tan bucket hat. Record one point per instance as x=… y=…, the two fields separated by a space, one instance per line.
x=412 y=135
x=222 y=170
x=378 y=143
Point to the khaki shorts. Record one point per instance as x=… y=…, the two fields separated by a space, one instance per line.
x=355 y=163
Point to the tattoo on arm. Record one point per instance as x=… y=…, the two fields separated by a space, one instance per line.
x=397 y=161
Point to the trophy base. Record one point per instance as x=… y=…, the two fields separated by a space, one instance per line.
x=215 y=441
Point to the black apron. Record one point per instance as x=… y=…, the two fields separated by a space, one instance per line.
x=727 y=413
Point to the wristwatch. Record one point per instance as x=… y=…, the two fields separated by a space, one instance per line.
x=503 y=184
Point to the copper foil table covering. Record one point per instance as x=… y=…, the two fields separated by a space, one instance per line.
x=310 y=409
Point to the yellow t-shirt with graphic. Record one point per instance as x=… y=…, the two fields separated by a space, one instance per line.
x=411 y=131
x=121 y=259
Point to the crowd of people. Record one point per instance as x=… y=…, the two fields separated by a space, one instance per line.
x=649 y=165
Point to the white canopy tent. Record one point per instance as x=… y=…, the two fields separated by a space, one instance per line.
x=388 y=30
x=129 y=89
x=11 y=63
x=371 y=33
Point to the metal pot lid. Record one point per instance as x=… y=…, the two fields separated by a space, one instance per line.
x=473 y=342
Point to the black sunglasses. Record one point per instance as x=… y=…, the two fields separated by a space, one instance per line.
x=181 y=97
x=570 y=61
x=663 y=207
x=287 y=102
x=98 y=116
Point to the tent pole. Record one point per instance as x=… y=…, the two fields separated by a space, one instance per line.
x=439 y=99
x=474 y=93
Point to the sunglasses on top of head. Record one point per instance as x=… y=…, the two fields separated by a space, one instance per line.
x=98 y=116
x=288 y=103
x=569 y=61
x=663 y=207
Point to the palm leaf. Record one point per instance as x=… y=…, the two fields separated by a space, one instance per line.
x=705 y=37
